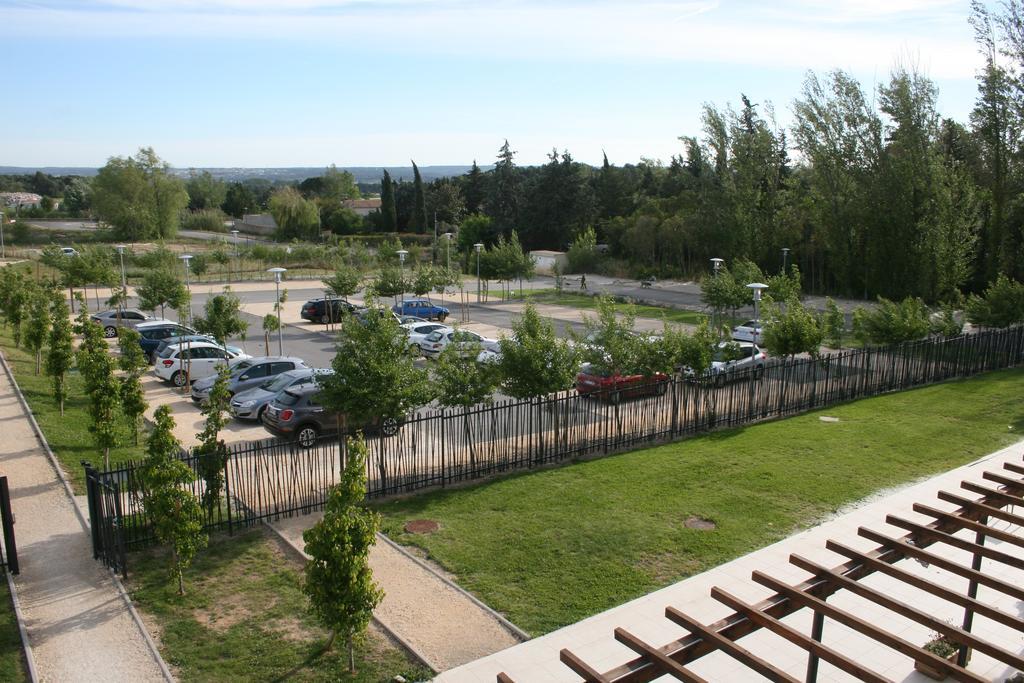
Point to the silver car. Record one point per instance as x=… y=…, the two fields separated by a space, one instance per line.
x=113 y=319
x=250 y=404
x=248 y=375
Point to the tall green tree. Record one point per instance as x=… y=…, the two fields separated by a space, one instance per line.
x=296 y=217
x=474 y=189
x=173 y=512
x=418 y=220
x=344 y=282
x=222 y=318
x=160 y=288
x=388 y=209
x=338 y=579
x=238 y=200
x=533 y=361
x=212 y=452
x=1000 y=305
x=205 y=191
x=505 y=193
x=60 y=353
x=37 y=323
x=132 y=363
x=792 y=330
x=139 y=197
x=101 y=386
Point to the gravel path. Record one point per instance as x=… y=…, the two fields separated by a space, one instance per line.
x=78 y=625
x=442 y=624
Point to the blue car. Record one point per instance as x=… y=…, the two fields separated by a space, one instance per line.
x=421 y=308
x=152 y=334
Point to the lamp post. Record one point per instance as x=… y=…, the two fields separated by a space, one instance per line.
x=448 y=250
x=277 y=306
x=479 y=247
x=757 y=288
x=124 y=282
x=234 y=236
x=785 y=259
x=402 y=253
x=716 y=265
x=185 y=258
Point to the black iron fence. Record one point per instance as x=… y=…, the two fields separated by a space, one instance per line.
x=9 y=553
x=269 y=479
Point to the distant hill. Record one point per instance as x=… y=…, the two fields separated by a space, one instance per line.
x=363 y=174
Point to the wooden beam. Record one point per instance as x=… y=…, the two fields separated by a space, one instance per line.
x=913 y=551
x=589 y=674
x=504 y=678
x=992 y=494
x=928 y=587
x=1013 y=467
x=970 y=524
x=655 y=655
x=730 y=647
x=857 y=624
x=955 y=633
x=950 y=539
x=775 y=626
x=1005 y=481
x=980 y=509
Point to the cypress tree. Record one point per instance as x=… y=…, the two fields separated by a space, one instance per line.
x=418 y=222
x=387 y=204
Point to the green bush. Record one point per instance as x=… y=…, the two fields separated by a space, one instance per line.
x=583 y=255
x=893 y=323
x=209 y=220
x=1001 y=305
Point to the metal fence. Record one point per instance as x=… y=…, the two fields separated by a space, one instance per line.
x=269 y=479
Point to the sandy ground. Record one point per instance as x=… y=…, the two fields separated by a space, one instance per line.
x=442 y=624
x=79 y=627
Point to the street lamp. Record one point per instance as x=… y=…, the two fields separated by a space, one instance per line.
x=716 y=265
x=757 y=288
x=124 y=283
x=185 y=258
x=479 y=247
x=277 y=305
x=448 y=250
x=785 y=258
x=402 y=253
x=234 y=235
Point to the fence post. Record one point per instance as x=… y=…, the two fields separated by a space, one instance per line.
x=118 y=532
x=227 y=490
x=10 y=546
x=90 y=493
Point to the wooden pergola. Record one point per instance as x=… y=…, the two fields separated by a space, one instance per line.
x=976 y=505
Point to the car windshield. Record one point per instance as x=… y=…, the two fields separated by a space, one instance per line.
x=288 y=399
x=240 y=367
x=275 y=384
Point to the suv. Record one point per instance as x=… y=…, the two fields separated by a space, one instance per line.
x=186 y=337
x=325 y=310
x=190 y=361
x=152 y=336
x=421 y=308
x=297 y=413
x=250 y=404
x=248 y=375
x=126 y=317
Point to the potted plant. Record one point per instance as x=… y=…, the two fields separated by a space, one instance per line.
x=941 y=646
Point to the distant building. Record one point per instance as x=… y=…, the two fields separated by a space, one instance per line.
x=257 y=224
x=544 y=261
x=363 y=207
x=23 y=200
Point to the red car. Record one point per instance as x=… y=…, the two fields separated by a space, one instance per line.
x=593 y=381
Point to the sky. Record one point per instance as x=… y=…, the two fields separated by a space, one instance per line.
x=256 y=83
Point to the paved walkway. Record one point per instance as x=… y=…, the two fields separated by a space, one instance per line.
x=442 y=624
x=78 y=625
x=592 y=639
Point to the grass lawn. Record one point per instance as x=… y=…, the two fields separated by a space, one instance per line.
x=68 y=435
x=588 y=302
x=12 y=657
x=552 y=547
x=244 y=618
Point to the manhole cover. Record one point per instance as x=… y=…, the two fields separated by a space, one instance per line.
x=421 y=526
x=700 y=524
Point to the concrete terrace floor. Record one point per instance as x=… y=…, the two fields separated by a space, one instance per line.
x=537 y=661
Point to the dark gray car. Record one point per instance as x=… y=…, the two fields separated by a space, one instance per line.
x=111 y=320
x=248 y=375
x=298 y=414
x=250 y=404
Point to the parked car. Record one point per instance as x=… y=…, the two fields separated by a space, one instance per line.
x=418 y=332
x=249 y=375
x=298 y=414
x=326 y=310
x=421 y=308
x=406 y=319
x=127 y=317
x=749 y=331
x=250 y=404
x=468 y=342
x=598 y=382
x=69 y=251
x=362 y=314
x=152 y=336
x=202 y=358
x=192 y=337
x=736 y=359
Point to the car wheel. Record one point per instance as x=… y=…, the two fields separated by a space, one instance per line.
x=441 y=317
x=259 y=414
x=178 y=379
x=109 y=331
x=306 y=436
x=389 y=426
x=325 y=319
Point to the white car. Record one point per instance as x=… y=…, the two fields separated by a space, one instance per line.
x=468 y=343
x=417 y=333
x=69 y=251
x=749 y=331
x=736 y=359
x=190 y=361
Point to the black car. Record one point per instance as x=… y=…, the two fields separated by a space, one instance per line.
x=296 y=413
x=325 y=310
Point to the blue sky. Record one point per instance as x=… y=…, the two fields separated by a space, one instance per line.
x=379 y=82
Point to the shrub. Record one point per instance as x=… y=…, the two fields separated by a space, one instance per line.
x=893 y=323
x=1001 y=305
x=209 y=220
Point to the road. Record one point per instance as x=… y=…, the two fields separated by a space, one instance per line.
x=89 y=226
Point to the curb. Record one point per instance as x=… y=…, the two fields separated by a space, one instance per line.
x=300 y=555
x=30 y=661
x=85 y=526
x=509 y=626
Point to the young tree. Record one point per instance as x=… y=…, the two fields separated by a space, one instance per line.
x=462 y=382
x=161 y=288
x=338 y=579
x=174 y=513
x=15 y=302
x=610 y=343
x=389 y=282
x=271 y=323
x=792 y=331
x=60 y=355
x=101 y=386
x=344 y=282
x=37 y=323
x=212 y=451
x=1000 y=305
x=132 y=363
x=221 y=317
x=834 y=323
x=894 y=323
x=423 y=280
x=534 y=362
